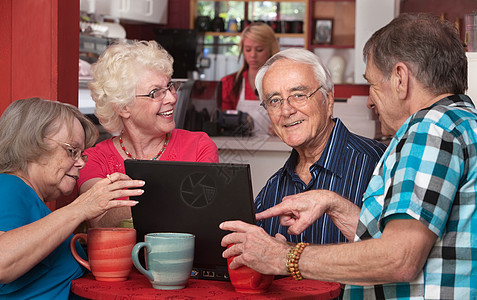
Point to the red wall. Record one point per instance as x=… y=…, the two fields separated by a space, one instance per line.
x=39 y=50
x=5 y=54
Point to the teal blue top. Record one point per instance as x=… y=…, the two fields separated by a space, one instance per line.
x=51 y=278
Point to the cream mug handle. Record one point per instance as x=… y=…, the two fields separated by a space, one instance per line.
x=78 y=258
x=137 y=263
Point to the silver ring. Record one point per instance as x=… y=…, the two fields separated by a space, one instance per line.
x=109 y=177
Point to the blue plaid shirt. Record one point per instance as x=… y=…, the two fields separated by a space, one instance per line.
x=345 y=167
x=429 y=173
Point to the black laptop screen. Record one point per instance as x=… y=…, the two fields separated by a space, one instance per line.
x=195 y=198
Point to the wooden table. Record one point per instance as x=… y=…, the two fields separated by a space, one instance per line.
x=138 y=287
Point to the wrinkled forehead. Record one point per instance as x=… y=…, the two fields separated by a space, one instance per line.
x=286 y=75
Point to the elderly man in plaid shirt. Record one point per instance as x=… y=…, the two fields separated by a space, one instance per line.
x=416 y=234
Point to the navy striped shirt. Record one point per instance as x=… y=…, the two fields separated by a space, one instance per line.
x=345 y=167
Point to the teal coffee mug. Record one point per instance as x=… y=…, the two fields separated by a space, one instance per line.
x=169 y=257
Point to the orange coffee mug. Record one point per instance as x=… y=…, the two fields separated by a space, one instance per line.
x=109 y=252
x=247 y=280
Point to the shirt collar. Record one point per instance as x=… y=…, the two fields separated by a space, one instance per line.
x=455 y=100
x=459 y=100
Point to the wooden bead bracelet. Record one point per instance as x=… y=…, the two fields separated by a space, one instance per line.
x=293 y=257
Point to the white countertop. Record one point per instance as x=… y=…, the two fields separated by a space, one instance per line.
x=254 y=143
x=265 y=155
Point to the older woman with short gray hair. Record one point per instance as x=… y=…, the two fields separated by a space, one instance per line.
x=41 y=153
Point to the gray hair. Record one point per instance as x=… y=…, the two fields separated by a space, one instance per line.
x=300 y=55
x=431 y=49
x=115 y=77
x=25 y=124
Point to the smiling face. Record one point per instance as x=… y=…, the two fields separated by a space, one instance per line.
x=255 y=53
x=307 y=125
x=152 y=116
x=55 y=173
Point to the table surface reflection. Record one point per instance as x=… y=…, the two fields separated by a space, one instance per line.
x=139 y=287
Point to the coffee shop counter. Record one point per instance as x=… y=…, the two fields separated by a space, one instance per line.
x=138 y=287
x=265 y=154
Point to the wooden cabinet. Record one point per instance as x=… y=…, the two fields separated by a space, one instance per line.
x=305 y=34
x=342 y=14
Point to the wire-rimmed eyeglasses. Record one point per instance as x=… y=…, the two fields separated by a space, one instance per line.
x=158 y=94
x=74 y=152
x=274 y=103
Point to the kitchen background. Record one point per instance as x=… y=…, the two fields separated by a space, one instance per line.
x=204 y=44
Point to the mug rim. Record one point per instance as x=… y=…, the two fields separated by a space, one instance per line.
x=111 y=229
x=166 y=235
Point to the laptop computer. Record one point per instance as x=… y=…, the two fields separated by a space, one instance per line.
x=193 y=197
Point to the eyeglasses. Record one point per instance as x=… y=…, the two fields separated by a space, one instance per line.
x=159 y=93
x=74 y=152
x=275 y=103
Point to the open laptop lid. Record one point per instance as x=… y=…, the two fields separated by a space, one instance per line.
x=193 y=197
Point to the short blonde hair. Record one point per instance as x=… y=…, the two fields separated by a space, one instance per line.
x=115 y=77
x=25 y=124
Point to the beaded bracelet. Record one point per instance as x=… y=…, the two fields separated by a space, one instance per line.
x=293 y=257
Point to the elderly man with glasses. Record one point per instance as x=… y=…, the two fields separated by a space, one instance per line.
x=297 y=91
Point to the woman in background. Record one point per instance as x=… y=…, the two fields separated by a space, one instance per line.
x=135 y=100
x=257 y=44
x=41 y=153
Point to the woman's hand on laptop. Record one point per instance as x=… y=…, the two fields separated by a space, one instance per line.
x=255 y=248
x=103 y=195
